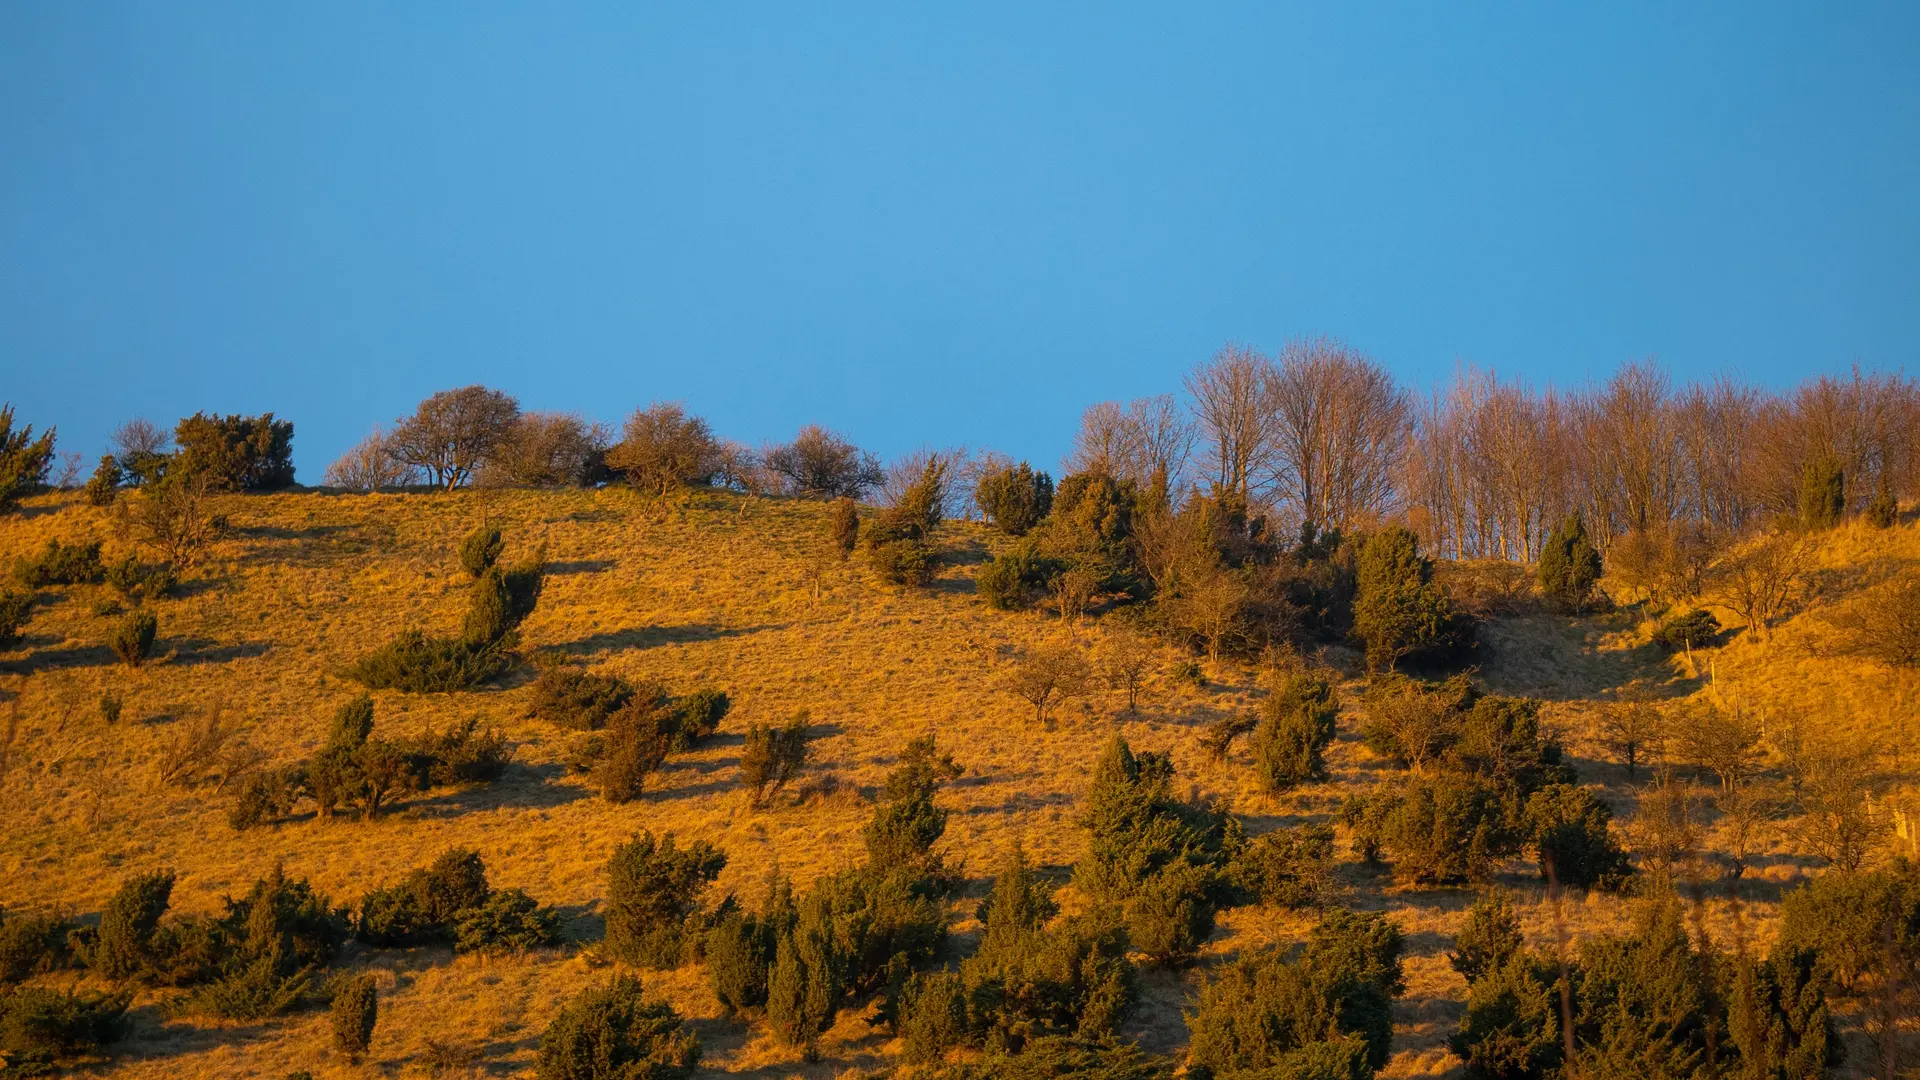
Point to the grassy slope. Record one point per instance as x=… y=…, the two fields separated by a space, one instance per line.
x=717 y=595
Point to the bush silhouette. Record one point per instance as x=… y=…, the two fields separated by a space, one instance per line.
x=772 y=756
x=1823 y=493
x=16 y=610
x=1014 y=497
x=1569 y=564
x=234 y=453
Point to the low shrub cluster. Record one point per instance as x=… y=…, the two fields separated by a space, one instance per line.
x=450 y=902
x=1485 y=784
x=772 y=756
x=1651 y=1002
x=359 y=771
x=855 y=934
x=132 y=638
x=1324 y=1011
x=42 y=1028
x=138 y=582
x=61 y=564
x=1296 y=726
x=498 y=601
x=256 y=959
x=612 y=1031
x=16 y=611
x=899 y=539
x=631 y=729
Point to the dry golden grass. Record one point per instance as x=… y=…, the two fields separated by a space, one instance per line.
x=721 y=592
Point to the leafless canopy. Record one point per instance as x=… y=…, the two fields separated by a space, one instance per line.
x=454 y=432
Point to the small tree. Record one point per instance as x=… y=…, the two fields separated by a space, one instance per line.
x=24 y=460
x=1885 y=624
x=653 y=894
x=772 y=756
x=370 y=465
x=356 y=1008
x=132 y=638
x=1046 y=676
x=843 y=525
x=1884 y=511
x=1666 y=825
x=1570 y=829
x=1823 y=493
x=1761 y=580
x=613 y=1033
x=1569 y=564
x=1400 y=610
x=105 y=482
x=174 y=516
x=1684 y=633
x=1634 y=730
x=454 y=432
x=1014 y=498
x=1124 y=663
x=1725 y=742
x=549 y=449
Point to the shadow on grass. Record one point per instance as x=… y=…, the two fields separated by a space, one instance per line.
x=647 y=637
x=581 y=566
x=202 y=651
x=72 y=656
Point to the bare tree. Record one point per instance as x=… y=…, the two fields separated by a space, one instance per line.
x=821 y=462
x=1760 y=580
x=1146 y=441
x=174 y=517
x=1835 y=786
x=663 y=448
x=1724 y=741
x=370 y=466
x=453 y=433
x=1633 y=730
x=1666 y=828
x=1228 y=393
x=1339 y=428
x=549 y=449
x=1124 y=662
x=1047 y=676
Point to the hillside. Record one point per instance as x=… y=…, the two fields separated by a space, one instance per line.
x=725 y=592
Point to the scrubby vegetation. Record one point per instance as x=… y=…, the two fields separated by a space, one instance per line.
x=1165 y=790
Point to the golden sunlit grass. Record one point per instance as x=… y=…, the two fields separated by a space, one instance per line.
x=722 y=592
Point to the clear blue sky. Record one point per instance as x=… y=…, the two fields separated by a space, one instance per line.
x=929 y=227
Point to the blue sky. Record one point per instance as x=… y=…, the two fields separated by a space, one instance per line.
x=929 y=226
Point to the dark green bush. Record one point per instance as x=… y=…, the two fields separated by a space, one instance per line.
x=1779 y=1019
x=31 y=944
x=697 y=716
x=508 y=921
x=416 y=663
x=427 y=904
x=1015 y=579
x=266 y=796
x=1685 y=633
x=906 y=824
x=498 y=601
x=1849 y=920
x=356 y=1009
x=1139 y=834
x=235 y=453
x=1570 y=829
x=1823 y=493
x=1569 y=565
x=572 y=697
x=480 y=550
x=1014 y=497
x=739 y=952
x=636 y=743
x=773 y=756
x=39 y=1025
x=122 y=947
x=61 y=564
x=105 y=482
x=1643 y=1005
x=1289 y=867
x=1327 y=1012
x=1490 y=937
x=653 y=897
x=806 y=983
x=24 y=460
x=1296 y=726
x=132 y=638
x=1440 y=830
x=1511 y=1028
x=1400 y=611
x=138 y=583
x=903 y=562
x=613 y=1033
x=16 y=610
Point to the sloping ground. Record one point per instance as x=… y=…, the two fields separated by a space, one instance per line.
x=719 y=593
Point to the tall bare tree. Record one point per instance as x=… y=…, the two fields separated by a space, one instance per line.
x=1339 y=427
x=1228 y=393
